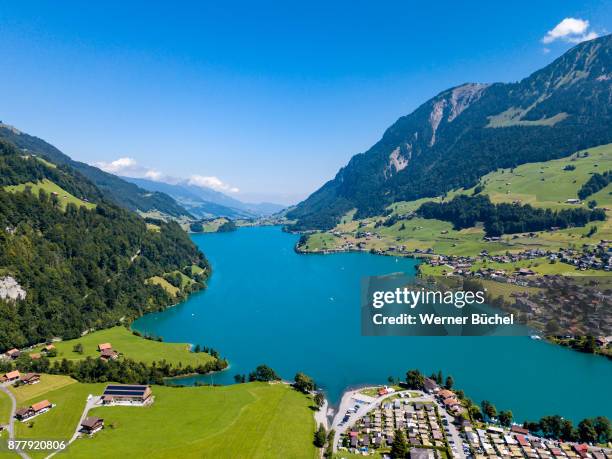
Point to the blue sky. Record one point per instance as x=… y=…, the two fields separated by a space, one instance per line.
x=263 y=100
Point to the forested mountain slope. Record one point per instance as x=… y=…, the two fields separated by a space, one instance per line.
x=80 y=266
x=468 y=131
x=125 y=194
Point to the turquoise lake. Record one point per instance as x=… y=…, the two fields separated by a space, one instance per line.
x=267 y=304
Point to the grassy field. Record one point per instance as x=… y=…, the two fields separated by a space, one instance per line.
x=64 y=197
x=48 y=383
x=129 y=345
x=59 y=423
x=254 y=420
x=212 y=226
x=163 y=283
x=547 y=185
x=5 y=408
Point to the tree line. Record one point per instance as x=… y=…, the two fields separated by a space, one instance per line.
x=465 y=211
x=125 y=370
x=595 y=183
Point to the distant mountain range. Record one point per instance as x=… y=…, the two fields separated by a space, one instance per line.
x=465 y=132
x=206 y=202
x=145 y=195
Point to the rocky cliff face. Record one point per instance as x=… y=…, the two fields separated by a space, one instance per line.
x=467 y=131
x=10 y=289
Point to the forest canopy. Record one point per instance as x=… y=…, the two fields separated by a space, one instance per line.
x=80 y=268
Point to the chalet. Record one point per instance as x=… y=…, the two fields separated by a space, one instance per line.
x=109 y=354
x=91 y=425
x=35 y=356
x=10 y=376
x=104 y=346
x=24 y=414
x=13 y=353
x=125 y=394
x=30 y=379
x=445 y=393
x=48 y=348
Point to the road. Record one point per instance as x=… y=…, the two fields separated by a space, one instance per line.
x=11 y=425
x=91 y=403
x=458 y=452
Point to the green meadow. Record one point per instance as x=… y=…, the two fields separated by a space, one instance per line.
x=50 y=187
x=254 y=420
x=545 y=184
x=550 y=184
x=129 y=345
x=68 y=397
x=5 y=408
x=163 y=283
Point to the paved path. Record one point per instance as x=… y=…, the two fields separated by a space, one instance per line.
x=91 y=403
x=11 y=425
x=321 y=416
x=454 y=432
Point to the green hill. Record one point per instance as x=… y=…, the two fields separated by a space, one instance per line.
x=550 y=184
x=82 y=260
x=546 y=185
x=126 y=194
x=466 y=132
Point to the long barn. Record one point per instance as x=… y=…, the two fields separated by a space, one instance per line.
x=125 y=394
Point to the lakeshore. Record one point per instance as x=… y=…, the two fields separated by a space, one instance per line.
x=261 y=290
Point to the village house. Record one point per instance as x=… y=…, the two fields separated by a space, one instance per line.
x=91 y=425
x=24 y=414
x=30 y=379
x=104 y=346
x=48 y=348
x=13 y=353
x=10 y=377
x=109 y=354
x=35 y=356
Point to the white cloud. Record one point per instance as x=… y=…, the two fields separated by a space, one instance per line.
x=570 y=30
x=129 y=167
x=154 y=175
x=118 y=166
x=211 y=182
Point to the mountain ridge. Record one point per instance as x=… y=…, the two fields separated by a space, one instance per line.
x=464 y=132
x=206 y=202
x=127 y=195
x=83 y=262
